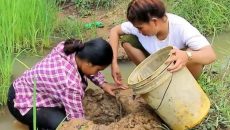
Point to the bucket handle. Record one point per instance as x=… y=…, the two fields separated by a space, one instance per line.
x=167 y=86
x=165 y=93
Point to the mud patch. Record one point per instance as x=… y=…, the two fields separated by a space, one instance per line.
x=104 y=112
x=102 y=108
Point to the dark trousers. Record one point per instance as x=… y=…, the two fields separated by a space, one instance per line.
x=47 y=118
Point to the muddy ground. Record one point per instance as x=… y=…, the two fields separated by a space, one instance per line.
x=123 y=112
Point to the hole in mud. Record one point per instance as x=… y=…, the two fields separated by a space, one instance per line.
x=101 y=108
x=104 y=112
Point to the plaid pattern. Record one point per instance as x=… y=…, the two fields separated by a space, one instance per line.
x=59 y=84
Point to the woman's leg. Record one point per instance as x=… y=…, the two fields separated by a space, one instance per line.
x=195 y=69
x=10 y=103
x=50 y=118
x=134 y=54
x=47 y=118
x=133 y=48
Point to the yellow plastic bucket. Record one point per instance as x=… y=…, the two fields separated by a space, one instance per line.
x=176 y=97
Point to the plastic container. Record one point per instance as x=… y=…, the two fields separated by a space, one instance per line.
x=176 y=97
x=95 y=24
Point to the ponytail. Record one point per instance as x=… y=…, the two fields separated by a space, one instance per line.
x=72 y=45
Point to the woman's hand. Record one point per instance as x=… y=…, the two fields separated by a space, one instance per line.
x=116 y=74
x=109 y=88
x=179 y=59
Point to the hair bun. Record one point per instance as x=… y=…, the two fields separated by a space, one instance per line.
x=78 y=44
x=72 y=45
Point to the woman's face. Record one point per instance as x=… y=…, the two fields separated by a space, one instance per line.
x=147 y=29
x=89 y=69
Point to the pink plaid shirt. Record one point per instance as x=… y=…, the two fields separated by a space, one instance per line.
x=59 y=84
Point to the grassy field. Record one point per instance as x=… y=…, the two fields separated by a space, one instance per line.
x=216 y=83
x=23 y=25
x=209 y=16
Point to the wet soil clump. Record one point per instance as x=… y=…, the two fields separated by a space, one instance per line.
x=105 y=112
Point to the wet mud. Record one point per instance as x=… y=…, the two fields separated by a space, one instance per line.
x=123 y=112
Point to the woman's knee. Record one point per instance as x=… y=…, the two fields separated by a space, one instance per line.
x=126 y=45
x=50 y=117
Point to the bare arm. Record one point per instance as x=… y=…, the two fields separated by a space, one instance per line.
x=204 y=56
x=114 y=35
x=114 y=42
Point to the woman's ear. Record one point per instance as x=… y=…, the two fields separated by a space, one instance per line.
x=154 y=20
x=89 y=64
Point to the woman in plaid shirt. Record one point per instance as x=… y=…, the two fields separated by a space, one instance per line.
x=61 y=78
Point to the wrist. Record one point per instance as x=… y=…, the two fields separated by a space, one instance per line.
x=189 y=55
x=114 y=60
x=114 y=64
x=103 y=84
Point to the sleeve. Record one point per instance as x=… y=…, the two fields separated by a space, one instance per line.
x=72 y=95
x=193 y=38
x=72 y=101
x=97 y=79
x=128 y=28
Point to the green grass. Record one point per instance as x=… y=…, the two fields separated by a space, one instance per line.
x=71 y=27
x=216 y=83
x=5 y=72
x=86 y=7
x=23 y=24
x=30 y=22
x=209 y=16
x=6 y=49
x=94 y=4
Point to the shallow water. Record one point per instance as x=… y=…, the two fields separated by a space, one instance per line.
x=7 y=122
x=221 y=46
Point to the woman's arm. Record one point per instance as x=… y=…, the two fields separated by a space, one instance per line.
x=99 y=80
x=199 y=52
x=72 y=101
x=203 y=56
x=114 y=42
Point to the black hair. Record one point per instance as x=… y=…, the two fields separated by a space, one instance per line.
x=96 y=51
x=145 y=10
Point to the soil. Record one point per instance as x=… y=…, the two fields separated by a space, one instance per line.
x=105 y=112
